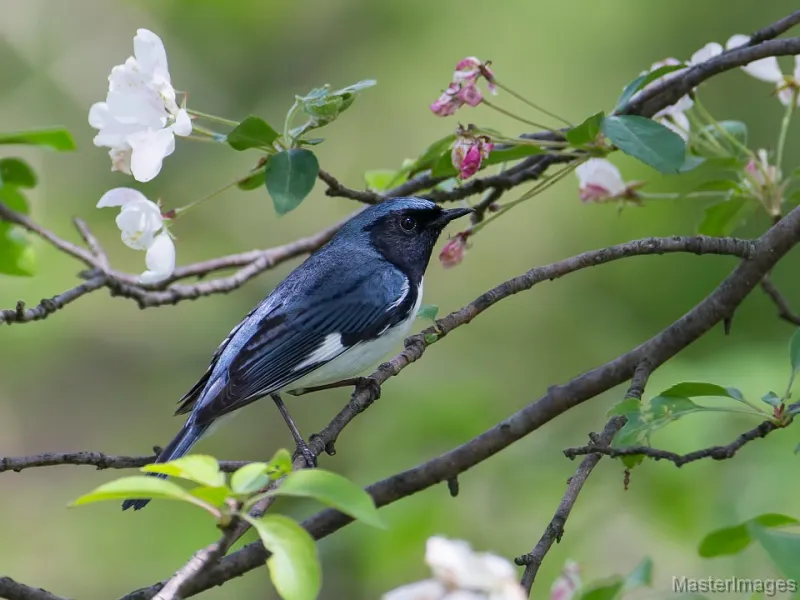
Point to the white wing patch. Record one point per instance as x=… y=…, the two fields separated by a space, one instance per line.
x=330 y=347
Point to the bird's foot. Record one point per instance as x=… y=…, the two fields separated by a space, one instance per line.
x=302 y=449
x=369 y=385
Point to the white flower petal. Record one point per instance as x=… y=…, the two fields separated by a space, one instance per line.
x=796 y=72
x=765 y=69
x=679 y=123
x=149 y=150
x=120 y=197
x=708 y=51
x=149 y=51
x=785 y=95
x=99 y=115
x=430 y=589
x=160 y=259
x=183 y=124
x=601 y=173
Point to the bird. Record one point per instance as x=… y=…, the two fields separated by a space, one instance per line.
x=337 y=314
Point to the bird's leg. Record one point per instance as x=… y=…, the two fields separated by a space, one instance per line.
x=301 y=446
x=327 y=386
x=359 y=382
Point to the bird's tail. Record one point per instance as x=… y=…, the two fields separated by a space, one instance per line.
x=180 y=445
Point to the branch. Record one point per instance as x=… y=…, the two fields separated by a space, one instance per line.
x=785 y=311
x=555 y=529
x=201 y=561
x=762 y=256
x=13 y=590
x=48 y=306
x=94 y=459
x=715 y=452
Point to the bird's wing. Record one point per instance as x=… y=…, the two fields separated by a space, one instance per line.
x=298 y=337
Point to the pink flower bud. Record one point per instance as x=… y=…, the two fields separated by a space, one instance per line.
x=453 y=252
x=448 y=102
x=468 y=154
x=470 y=94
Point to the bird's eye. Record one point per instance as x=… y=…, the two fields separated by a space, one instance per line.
x=408 y=223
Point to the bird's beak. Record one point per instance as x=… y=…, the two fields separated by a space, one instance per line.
x=451 y=214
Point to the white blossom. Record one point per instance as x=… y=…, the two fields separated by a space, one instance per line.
x=673 y=116
x=599 y=180
x=462 y=574
x=142 y=226
x=709 y=51
x=567 y=583
x=767 y=69
x=140 y=117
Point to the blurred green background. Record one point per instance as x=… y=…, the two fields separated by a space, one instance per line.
x=103 y=375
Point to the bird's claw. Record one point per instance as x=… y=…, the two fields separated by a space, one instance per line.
x=308 y=455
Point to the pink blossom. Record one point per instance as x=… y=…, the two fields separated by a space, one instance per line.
x=449 y=102
x=463 y=88
x=567 y=583
x=468 y=154
x=453 y=252
x=599 y=180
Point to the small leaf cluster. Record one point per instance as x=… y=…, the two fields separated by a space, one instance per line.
x=289 y=169
x=293 y=563
x=16 y=253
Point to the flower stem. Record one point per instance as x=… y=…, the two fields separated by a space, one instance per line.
x=214 y=118
x=520 y=141
x=531 y=104
x=724 y=132
x=215 y=137
x=787 y=119
x=517 y=117
x=184 y=209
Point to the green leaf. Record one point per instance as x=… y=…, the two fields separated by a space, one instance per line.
x=717 y=185
x=324 y=106
x=293 y=566
x=334 y=490
x=771 y=398
x=428 y=311
x=641 y=576
x=16 y=172
x=732 y=540
x=794 y=351
x=641 y=81
x=430 y=155
x=58 y=139
x=692 y=389
x=586 y=132
x=647 y=141
x=252 y=182
x=253 y=132
x=290 y=177
x=604 y=591
x=380 y=179
x=691 y=163
x=625 y=407
x=281 y=464
x=14 y=199
x=215 y=496
x=250 y=478
x=17 y=256
x=722 y=133
x=724 y=217
x=199 y=468
x=137 y=486
x=356 y=87
x=782 y=547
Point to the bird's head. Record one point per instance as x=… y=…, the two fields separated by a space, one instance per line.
x=403 y=230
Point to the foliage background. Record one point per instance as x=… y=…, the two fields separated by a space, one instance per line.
x=103 y=375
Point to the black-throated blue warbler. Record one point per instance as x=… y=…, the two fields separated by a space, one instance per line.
x=336 y=315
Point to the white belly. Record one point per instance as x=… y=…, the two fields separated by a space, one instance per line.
x=358 y=359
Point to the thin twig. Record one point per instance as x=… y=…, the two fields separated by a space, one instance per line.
x=47 y=306
x=555 y=529
x=715 y=452
x=335 y=188
x=201 y=561
x=785 y=311
x=93 y=459
x=13 y=590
